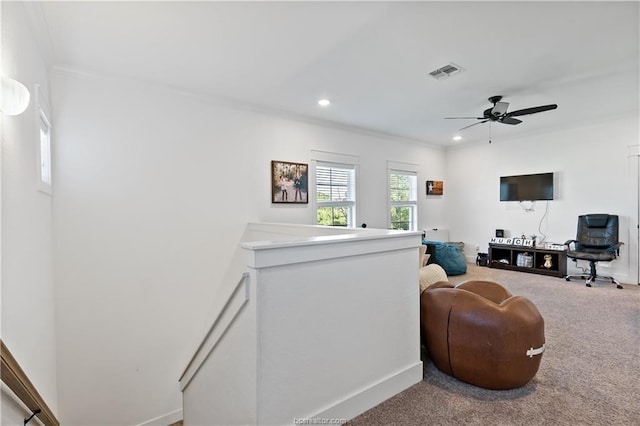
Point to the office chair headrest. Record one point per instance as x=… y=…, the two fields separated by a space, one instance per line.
x=597 y=220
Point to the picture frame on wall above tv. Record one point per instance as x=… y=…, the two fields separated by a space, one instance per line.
x=531 y=187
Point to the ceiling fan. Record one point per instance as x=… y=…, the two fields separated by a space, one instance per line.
x=499 y=113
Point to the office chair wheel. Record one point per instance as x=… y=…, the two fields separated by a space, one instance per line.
x=567 y=278
x=619 y=286
x=588 y=284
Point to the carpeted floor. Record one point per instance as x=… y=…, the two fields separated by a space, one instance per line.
x=589 y=374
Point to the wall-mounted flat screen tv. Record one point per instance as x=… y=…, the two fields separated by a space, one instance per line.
x=526 y=187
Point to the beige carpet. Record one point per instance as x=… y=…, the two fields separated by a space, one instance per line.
x=589 y=374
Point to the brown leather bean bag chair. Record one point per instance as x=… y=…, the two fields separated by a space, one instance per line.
x=479 y=333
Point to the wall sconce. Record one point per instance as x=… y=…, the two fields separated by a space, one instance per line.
x=15 y=97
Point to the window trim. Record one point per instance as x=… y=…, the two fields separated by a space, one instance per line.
x=339 y=161
x=407 y=169
x=43 y=121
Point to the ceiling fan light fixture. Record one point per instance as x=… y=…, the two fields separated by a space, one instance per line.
x=324 y=102
x=500 y=108
x=457 y=138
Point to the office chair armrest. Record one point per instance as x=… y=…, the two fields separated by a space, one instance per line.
x=569 y=242
x=616 y=247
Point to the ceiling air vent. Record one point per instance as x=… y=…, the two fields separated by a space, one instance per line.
x=446 y=71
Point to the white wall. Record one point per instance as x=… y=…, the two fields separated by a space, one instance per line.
x=593 y=174
x=28 y=314
x=153 y=189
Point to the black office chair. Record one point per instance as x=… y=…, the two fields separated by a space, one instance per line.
x=596 y=241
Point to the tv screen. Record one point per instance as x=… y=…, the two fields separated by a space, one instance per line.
x=526 y=187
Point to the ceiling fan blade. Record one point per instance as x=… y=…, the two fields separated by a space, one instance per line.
x=509 y=120
x=464 y=118
x=479 y=122
x=533 y=110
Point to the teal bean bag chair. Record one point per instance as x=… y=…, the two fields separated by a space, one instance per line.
x=449 y=257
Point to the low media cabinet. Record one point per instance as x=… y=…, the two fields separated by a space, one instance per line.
x=536 y=260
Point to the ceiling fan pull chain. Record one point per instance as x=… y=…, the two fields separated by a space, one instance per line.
x=489 y=132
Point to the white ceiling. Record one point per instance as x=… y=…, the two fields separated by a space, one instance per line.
x=371 y=59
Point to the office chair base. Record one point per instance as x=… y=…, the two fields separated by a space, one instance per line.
x=591 y=278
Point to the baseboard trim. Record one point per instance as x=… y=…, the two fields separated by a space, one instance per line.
x=368 y=398
x=165 y=419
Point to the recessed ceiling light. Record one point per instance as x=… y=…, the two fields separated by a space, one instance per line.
x=324 y=102
x=457 y=137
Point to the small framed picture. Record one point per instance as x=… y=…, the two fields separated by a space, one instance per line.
x=435 y=187
x=289 y=182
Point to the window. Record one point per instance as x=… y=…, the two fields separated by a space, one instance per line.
x=403 y=195
x=45 y=150
x=44 y=180
x=335 y=194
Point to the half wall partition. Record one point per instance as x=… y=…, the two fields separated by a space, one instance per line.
x=320 y=323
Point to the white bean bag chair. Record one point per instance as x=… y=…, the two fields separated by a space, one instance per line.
x=431 y=273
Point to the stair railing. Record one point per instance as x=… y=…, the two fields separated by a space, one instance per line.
x=16 y=379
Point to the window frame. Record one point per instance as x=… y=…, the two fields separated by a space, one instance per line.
x=339 y=161
x=43 y=154
x=394 y=168
x=349 y=204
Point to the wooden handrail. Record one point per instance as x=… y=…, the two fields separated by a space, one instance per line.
x=14 y=377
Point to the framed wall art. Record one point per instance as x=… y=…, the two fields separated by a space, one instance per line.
x=435 y=187
x=289 y=182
